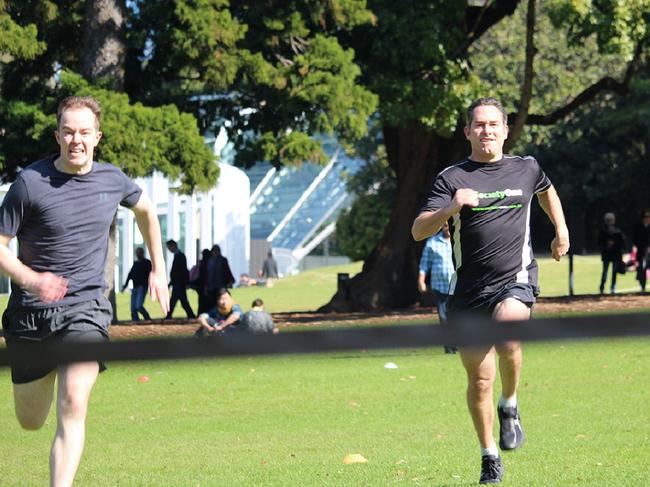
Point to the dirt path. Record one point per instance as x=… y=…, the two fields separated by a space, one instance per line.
x=578 y=304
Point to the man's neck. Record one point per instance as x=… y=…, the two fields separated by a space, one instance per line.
x=60 y=165
x=486 y=158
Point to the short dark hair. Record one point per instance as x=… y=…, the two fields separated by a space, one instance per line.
x=172 y=242
x=487 y=101
x=72 y=102
x=223 y=291
x=257 y=303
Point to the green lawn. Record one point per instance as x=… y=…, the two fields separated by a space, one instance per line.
x=289 y=421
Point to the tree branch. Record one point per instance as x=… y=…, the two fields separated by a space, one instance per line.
x=607 y=83
x=482 y=18
x=478 y=20
x=527 y=85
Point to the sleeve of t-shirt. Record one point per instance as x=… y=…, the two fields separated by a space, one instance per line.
x=14 y=209
x=425 y=259
x=131 y=193
x=440 y=195
x=236 y=309
x=543 y=182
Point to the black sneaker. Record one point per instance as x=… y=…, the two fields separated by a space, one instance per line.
x=491 y=470
x=511 y=434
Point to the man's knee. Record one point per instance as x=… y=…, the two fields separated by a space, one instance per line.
x=73 y=406
x=30 y=421
x=481 y=385
x=511 y=309
x=32 y=402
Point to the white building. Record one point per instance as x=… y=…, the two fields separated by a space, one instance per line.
x=198 y=221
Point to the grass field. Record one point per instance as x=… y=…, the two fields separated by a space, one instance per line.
x=290 y=420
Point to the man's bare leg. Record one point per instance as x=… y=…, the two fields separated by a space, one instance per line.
x=510 y=353
x=32 y=401
x=480 y=366
x=75 y=384
x=511 y=433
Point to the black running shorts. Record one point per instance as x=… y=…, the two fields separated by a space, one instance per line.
x=80 y=322
x=484 y=303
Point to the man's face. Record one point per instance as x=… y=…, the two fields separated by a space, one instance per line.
x=487 y=133
x=77 y=137
x=224 y=301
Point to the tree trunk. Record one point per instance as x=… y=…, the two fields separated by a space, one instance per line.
x=105 y=47
x=389 y=275
x=104 y=58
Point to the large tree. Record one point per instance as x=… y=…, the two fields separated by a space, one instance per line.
x=421 y=65
x=275 y=72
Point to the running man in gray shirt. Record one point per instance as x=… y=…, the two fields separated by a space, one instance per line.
x=60 y=209
x=487 y=198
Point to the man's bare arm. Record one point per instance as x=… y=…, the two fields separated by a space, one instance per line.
x=429 y=223
x=550 y=203
x=147 y=220
x=48 y=287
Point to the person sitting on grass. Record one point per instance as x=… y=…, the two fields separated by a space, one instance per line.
x=258 y=321
x=221 y=319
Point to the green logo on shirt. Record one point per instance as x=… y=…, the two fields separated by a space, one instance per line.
x=499 y=195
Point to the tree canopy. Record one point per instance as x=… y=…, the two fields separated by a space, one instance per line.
x=275 y=73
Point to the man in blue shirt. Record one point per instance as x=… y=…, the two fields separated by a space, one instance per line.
x=436 y=261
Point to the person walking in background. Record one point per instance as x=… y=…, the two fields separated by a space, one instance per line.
x=219 y=275
x=61 y=208
x=178 y=280
x=139 y=274
x=612 y=245
x=641 y=247
x=201 y=283
x=269 y=269
x=487 y=197
x=258 y=321
x=436 y=261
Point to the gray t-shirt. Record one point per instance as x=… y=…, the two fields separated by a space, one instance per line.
x=491 y=243
x=258 y=321
x=62 y=222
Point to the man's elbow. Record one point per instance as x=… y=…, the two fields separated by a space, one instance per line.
x=416 y=232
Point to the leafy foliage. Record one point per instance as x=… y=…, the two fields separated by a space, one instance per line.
x=360 y=228
x=598 y=161
x=618 y=26
x=285 y=73
x=138 y=138
x=16 y=40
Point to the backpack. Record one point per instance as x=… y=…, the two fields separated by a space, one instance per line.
x=194 y=274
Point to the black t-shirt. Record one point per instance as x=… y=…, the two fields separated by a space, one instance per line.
x=62 y=222
x=491 y=242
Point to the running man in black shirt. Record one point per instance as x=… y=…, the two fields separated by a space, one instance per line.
x=487 y=198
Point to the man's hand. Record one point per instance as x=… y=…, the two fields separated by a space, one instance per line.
x=158 y=290
x=465 y=197
x=48 y=287
x=559 y=246
x=422 y=286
